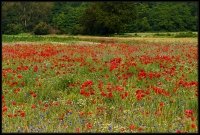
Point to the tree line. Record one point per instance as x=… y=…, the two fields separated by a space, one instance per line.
x=98 y=18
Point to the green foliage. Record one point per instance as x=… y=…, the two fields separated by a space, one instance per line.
x=13 y=29
x=99 y=18
x=66 y=18
x=186 y=34
x=107 y=18
x=38 y=38
x=41 y=29
x=62 y=84
x=171 y=17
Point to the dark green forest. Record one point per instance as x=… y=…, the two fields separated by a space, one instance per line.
x=98 y=18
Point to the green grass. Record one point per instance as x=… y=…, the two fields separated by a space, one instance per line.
x=36 y=38
x=27 y=37
x=160 y=34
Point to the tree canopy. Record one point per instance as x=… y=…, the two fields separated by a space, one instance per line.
x=99 y=18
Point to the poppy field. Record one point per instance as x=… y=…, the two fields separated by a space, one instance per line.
x=105 y=87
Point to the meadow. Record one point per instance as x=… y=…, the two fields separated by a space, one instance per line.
x=74 y=84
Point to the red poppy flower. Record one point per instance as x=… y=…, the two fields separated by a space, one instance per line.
x=35 y=68
x=5 y=108
x=161 y=104
x=188 y=113
x=89 y=125
x=22 y=114
x=14 y=103
x=131 y=127
x=20 y=76
x=33 y=106
x=193 y=125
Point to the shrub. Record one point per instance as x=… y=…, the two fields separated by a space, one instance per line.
x=13 y=29
x=186 y=34
x=77 y=29
x=41 y=29
x=53 y=30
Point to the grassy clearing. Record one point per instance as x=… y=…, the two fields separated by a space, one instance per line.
x=66 y=39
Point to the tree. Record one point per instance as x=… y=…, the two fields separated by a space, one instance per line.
x=99 y=18
x=66 y=16
x=171 y=16
x=31 y=13
x=107 y=17
x=25 y=14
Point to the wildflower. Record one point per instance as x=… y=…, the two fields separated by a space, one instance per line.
x=22 y=114
x=193 y=125
x=35 y=69
x=78 y=130
x=140 y=129
x=103 y=93
x=20 y=76
x=142 y=74
x=5 y=108
x=14 y=103
x=114 y=63
x=82 y=92
x=33 y=106
x=81 y=114
x=109 y=127
x=131 y=127
x=122 y=129
x=34 y=95
x=10 y=115
x=17 y=90
x=89 y=125
x=161 y=104
x=46 y=105
x=193 y=118
x=110 y=95
x=87 y=86
x=126 y=94
x=188 y=113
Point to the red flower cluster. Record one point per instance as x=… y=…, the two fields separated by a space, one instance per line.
x=132 y=127
x=160 y=91
x=188 y=113
x=35 y=68
x=4 y=108
x=19 y=76
x=188 y=84
x=126 y=75
x=114 y=63
x=48 y=52
x=87 y=86
x=170 y=71
x=17 y=90
x=142 y=74
x=22 y=114
x=141 y=93
x=146 y=59
x=152 y=75
x=33 y=94
x=89 y=126
x=22 y=68
x=124 y=95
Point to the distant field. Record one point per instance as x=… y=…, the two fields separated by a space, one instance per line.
x=163 y=34
x=126 y=38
